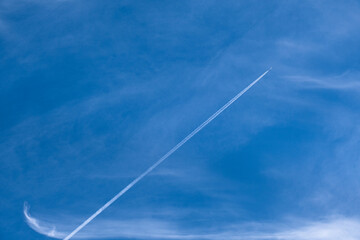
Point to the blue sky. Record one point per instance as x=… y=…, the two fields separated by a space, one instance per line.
x=93 y=92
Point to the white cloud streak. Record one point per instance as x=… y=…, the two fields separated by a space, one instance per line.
x=332 y=228
x=40 y=227
x=345 y=81
x=163 y=158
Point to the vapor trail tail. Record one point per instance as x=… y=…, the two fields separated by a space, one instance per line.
x=163 y=158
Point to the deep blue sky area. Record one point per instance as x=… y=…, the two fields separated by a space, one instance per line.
x=92 y=93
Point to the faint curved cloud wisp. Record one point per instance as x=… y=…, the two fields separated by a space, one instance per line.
x=40 y=227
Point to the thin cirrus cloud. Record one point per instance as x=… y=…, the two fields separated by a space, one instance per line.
x=333 y=228
x=39 y=226
x=343 y=82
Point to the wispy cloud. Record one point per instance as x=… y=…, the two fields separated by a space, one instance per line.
x=332 y=228
x=345 y=81
x=40 y=226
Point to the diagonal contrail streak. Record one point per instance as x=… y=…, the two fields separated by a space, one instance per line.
x=163 y=158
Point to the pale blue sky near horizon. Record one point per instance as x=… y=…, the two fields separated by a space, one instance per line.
x=94 y=92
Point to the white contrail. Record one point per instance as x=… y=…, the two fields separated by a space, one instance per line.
x=163 y=158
